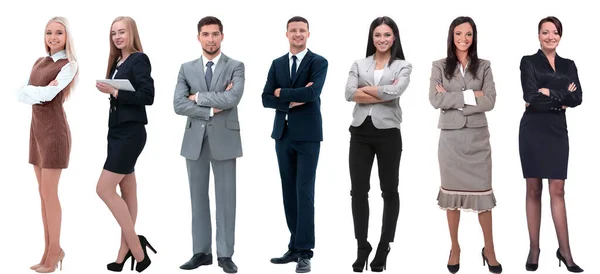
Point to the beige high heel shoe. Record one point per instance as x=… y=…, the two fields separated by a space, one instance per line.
x=44 y=269
x=34 y=267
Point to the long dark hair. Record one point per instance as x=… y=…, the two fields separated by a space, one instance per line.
x=396 y=49
x=451 y=59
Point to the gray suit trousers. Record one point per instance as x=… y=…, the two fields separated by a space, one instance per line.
x=225 y=195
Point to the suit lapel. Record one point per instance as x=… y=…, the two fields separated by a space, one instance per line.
x=218 y=69
x=303 y=65
x=199 y=70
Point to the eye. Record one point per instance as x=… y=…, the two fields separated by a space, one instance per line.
x=469 y=34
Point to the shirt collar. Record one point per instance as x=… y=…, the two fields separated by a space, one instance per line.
x=214 y=60
x=59 y=55
x=299 y=55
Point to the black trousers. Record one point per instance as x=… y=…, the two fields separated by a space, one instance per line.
x=366 y=142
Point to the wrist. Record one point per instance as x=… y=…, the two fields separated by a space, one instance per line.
x=115 y=93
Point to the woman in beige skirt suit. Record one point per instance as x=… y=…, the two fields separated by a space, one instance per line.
x=462 y=87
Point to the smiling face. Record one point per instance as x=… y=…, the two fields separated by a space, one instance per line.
x=297 y=33
x=383 y=38
x=56 y=37
x=463 y=37
x=120 y=35
x=210 y=38
x=549 y=36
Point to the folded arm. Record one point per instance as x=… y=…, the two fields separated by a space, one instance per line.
x=184 y=106
x=32 y=95
x=443 y=100
x=144 y=93
x=269 y=99
x=573 y=98
x=531 y=93
x=353 y=93
x=488 y=100
x=225 y=99
x=308 y=93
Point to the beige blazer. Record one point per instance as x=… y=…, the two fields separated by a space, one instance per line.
x=450 y=101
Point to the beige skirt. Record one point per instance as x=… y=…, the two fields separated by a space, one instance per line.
x=465 y=159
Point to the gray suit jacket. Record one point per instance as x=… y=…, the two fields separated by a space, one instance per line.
x=223 y=129
x=386 y=114
x=448 y=102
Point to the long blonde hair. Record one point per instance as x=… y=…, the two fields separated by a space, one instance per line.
x=134 y=45
x=69 y=49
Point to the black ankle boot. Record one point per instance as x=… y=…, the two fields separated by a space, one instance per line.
x=380 y=261
x=362 y=257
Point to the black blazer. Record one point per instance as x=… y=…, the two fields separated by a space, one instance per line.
x=131 y=106
x=305 y=121
x=537 y=73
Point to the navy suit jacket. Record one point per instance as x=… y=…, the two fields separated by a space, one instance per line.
x=304 y=122
x=131 y=106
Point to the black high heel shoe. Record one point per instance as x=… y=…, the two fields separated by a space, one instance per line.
x=492 y=268
x=118 y=267
x=574 y=268
x=380 y=261
x=453 y=268
x=141 y=266
x=362 y=258
x=531 y=267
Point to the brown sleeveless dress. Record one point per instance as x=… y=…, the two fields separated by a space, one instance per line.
x=50 y=136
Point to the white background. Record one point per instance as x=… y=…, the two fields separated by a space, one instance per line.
x=90 y=235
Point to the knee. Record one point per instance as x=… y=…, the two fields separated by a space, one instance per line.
x=390 y=194
x=359 y=193
x=534 y=192
x=557 y=192
x=102 y=191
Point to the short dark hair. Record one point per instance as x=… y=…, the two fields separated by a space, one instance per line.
x=210 y=20
x=554 y=21
x=297 y=19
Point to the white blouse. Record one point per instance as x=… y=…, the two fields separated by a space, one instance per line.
x=32 y=95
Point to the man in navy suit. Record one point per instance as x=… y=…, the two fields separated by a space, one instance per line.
x=293 y=88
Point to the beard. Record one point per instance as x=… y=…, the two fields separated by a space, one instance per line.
x=211 y=52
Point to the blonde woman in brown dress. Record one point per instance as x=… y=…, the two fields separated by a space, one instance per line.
x=49 y=85
x=462 y=87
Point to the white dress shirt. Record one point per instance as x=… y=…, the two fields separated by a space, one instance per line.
x=204 y=62
x=32 y=95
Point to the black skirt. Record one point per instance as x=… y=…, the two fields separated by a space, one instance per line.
x=544 y=145
x=125 y=144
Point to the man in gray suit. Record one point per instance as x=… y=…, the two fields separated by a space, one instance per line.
x=208 y=91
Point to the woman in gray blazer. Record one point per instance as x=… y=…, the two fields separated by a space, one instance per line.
x=375 y=83
x=462 y=87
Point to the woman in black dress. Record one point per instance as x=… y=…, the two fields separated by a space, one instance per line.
x=550 y=86
x=126 y=137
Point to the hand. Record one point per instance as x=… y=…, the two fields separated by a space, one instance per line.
x=295 y=104
x=572 y=87
x=105 y=88
x=478 y=93
x=277 y=92
x=545 y=91
x=564 y=107
x=309 y=84
x=229 y=87
x=526 y=104
x=53 y=83
x=440 y=88
x=216 y=110
x=192 y=97
x=395 y=82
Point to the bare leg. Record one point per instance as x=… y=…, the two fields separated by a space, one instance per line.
x=129 y=194
x=38 y=176
x=107 y=191
x=485 y=220
x=453 y=221
x=559 y=215
x=533 y=208
x=53 y=211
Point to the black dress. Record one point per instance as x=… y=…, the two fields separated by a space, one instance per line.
x=543 y=137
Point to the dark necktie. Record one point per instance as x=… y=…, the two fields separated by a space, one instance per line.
x=208 y=74
x=294 y=67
